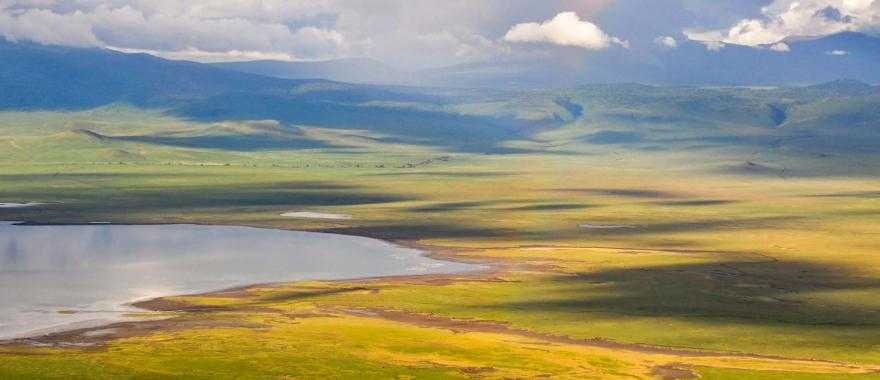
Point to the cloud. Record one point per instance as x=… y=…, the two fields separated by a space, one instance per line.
x=837 y=52
x=407 y=33
x=207 y=56
x=168 y=29
x=787 y=18
x=781 y=47
x=566 y=29
x=666 y=41
x=48 y=27
x=713 y=45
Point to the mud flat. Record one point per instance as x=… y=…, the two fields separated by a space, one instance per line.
x=315 y=215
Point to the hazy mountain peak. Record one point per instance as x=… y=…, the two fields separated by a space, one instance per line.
x=358 y=70
x=846 y=87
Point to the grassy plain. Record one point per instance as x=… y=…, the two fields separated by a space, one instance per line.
x=609 y=262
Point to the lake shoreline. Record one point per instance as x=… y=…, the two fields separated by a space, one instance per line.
x=96 y=332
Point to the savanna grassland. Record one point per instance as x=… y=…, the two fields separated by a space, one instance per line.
x=621 y=241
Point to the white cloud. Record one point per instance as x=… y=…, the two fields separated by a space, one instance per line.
x=407 y=33
x=666 y=41
x=566 y=29
x=207 y=56
x=786 y=18
x=165 y=30
x=781 y=47
x=713 y=45
x=837 y=52
x=48 y=27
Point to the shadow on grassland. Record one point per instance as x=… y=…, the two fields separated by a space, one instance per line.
x=123 y=200
x=695 y=203
x=455 y=132
x=88 y=177
x=451 y=206
x=760 y=292
x=418 y=231
x=551 y=207
x=696 y=226
x=447 y=174
x=258 y=195
x=850 y=194
x=621 y=193
x=241 y=143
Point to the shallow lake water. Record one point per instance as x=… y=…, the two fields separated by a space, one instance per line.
x=56 y=277
x=19 y=205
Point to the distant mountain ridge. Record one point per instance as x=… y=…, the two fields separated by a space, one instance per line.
x=42 y=76
x=352 y=70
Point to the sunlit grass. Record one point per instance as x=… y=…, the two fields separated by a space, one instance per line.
x=770 y=265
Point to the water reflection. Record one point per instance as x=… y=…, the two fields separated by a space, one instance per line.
x=57 y=275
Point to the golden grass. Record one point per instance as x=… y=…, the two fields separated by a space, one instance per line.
x=771 y=274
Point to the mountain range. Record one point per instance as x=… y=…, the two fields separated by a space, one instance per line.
x=839 y=114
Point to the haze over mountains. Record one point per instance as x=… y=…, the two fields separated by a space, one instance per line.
x=92 y=76
x=804 y=61
x=352 y=70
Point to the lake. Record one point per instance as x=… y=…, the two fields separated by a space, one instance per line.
x=63 y=276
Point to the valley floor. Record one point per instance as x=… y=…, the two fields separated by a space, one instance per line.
x=716 y=275
x=606 y=264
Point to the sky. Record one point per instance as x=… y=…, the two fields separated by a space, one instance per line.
x=423 y=33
